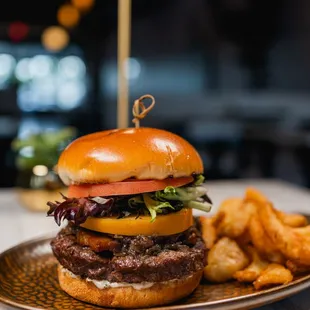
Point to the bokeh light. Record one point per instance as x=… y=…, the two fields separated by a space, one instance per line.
x=72 y=67
x=40 y=170
x=68 y=16
x=55 y=38
x=83 y=5
x=26 y=98
x=40 y=66
x=132 y=68
x=70 y=94
x=18 y=31
x=7 y=65
x=27 y=151
x=49 y=82
x=22 y=72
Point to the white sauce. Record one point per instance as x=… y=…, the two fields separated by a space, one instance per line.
x=72 y=275
x=106 y=284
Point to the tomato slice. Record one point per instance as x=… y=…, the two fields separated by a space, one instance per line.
x=128 y=187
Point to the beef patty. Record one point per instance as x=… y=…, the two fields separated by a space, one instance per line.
x=131 y=259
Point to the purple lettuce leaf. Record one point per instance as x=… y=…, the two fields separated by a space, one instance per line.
x=78 y=210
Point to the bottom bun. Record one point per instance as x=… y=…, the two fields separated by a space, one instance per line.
x=128 y=297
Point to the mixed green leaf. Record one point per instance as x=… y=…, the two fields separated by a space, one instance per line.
x=171 y=199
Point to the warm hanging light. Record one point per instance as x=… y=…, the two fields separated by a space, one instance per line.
x=68 y=16
x=55 y=38
x=83 y=5
x=18 y=31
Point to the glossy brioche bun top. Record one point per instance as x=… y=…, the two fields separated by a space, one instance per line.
x=119 y=154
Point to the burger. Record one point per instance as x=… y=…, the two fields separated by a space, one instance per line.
x=130 y=238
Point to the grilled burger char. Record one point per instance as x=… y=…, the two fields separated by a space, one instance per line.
x=130 y=259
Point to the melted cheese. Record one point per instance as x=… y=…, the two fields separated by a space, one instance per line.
x=163 y=225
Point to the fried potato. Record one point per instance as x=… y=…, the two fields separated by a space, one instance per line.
x=254 y=270
x=245 y=238
x=274 y=274
x=294 y=245
x=304 y=231
x=258 y=244
x=262 y=241
x=233 y=217
x=291 y=219
x=224 y=259
x=208 y=231
x=297 y=269
x=252 y=194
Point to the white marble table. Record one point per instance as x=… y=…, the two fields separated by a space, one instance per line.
x=18 y=224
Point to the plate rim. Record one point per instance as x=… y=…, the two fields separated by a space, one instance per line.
x=41 y=238
x=251 y=300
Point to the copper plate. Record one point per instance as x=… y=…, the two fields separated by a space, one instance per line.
x=28 y=280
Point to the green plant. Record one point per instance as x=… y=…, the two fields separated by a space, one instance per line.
x=42 y=148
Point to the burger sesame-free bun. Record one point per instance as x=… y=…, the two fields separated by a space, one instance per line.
x=128 y=297
x=116 y=155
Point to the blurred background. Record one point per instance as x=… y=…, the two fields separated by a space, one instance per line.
x=231 y=76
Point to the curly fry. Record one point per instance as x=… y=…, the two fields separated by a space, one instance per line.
x=293 y=245
x=253 y=271
x=262 y=241
x=224 y=259
x=233 y=217
x=245 y=238
x=297 y=269
x=291 y=219
x=274 y=274
x=208 y=231
x=252 y=194
x=304 y=231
